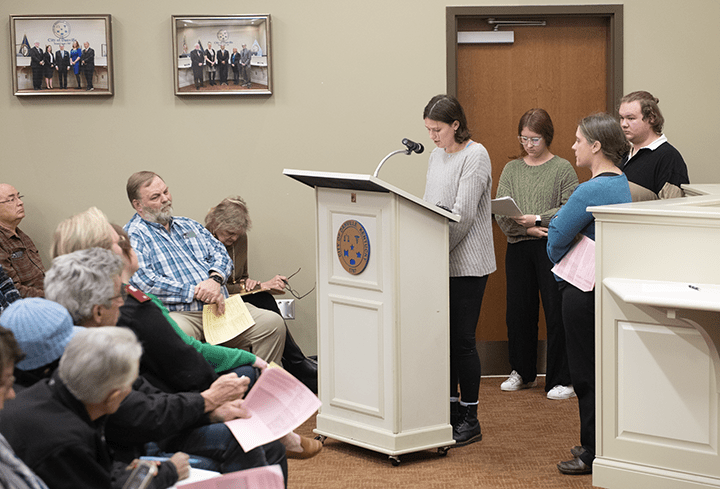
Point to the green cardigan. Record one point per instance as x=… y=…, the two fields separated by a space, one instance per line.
x=221 y=358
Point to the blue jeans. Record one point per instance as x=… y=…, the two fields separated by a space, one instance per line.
x=215 y=448
x=247 y=370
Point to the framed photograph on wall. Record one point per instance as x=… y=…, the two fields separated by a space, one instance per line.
x=61 y=54
x=222 y=55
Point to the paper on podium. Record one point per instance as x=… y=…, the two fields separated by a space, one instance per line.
x=578 y=265
x=267 y=477
x=505 y=206
x=219 y=329
x=278 y=403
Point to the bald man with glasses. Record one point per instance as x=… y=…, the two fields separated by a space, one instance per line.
x=19 y=256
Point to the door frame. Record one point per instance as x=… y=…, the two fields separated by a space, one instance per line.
x=614 y=14
x=494 y=354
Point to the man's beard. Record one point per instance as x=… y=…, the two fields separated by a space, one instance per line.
x=162 y=216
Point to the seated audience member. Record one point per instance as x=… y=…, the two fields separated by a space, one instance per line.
x=654 y=168
x=186 y=267
x=87 y=283
x=18 y=255
x=56 y=426
x=43 y=329
x=164 y=343
x=8 y=292
x=14 y=473
x=229 y=222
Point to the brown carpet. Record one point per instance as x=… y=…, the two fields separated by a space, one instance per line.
x=524 y=436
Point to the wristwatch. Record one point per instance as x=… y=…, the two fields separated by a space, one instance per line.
x=538 y=220
x=217 y=278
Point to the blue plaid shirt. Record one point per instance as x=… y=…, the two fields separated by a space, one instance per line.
x=8 y=292
x=172 y=264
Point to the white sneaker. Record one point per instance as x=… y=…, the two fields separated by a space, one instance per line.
x=515 y=383
x=561 y=392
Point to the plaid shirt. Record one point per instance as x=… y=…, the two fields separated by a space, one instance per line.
x=8 y=292
x=172 y=264
x=21 y=260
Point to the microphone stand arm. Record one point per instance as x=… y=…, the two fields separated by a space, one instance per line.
x=377 y=170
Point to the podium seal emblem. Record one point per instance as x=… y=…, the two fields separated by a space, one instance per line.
x=353 y=247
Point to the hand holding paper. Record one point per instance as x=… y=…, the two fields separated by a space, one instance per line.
x=278 y=403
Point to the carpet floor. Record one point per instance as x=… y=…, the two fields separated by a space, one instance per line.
x=524 y=436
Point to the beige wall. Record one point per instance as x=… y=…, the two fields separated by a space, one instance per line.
x=350 y=81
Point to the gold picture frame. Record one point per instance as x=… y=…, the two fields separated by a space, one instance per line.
x=243 y=39
x=93 y=63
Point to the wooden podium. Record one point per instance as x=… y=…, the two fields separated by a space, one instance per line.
x=383 y=315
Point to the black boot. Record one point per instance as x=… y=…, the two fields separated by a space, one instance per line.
x=455 y=416
x=468 y=429
x=295 y=362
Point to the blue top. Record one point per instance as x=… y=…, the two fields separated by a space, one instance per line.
x=172 y=264
x=75 y=54
x=573 y=218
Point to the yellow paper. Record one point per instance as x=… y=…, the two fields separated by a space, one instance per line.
x=219 y=329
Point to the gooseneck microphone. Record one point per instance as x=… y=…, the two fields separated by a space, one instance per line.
x=413 y=146
x=410 y=146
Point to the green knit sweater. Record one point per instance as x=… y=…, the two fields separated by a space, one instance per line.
x=220 y=357
x=537 y=190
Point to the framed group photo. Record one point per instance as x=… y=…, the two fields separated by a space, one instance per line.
x=222 y=55
x=61 y=55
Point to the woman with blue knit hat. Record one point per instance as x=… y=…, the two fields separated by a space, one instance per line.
x=43 y=329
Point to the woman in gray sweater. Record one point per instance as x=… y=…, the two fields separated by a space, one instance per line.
x=459 y=179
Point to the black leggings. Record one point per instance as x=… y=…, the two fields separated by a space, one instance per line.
x=466 y=294
x=578 y=310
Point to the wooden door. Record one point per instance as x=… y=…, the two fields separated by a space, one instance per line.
x=561 y=67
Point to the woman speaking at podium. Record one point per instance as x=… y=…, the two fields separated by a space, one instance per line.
x=459 y=179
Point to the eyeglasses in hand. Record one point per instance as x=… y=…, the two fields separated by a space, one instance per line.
x=290 y=289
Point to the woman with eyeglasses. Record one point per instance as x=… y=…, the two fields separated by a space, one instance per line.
x=229 y=222
x=540 y=183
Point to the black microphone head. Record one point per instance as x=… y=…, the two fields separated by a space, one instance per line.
x=413 y=146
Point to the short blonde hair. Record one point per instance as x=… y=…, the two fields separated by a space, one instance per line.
x=82 y=231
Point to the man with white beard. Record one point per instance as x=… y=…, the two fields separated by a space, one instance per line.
x=186 y=267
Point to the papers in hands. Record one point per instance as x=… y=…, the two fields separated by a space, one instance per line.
x=278 y=403
x=578 y=265
x=219 y=329
x=505 y=206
